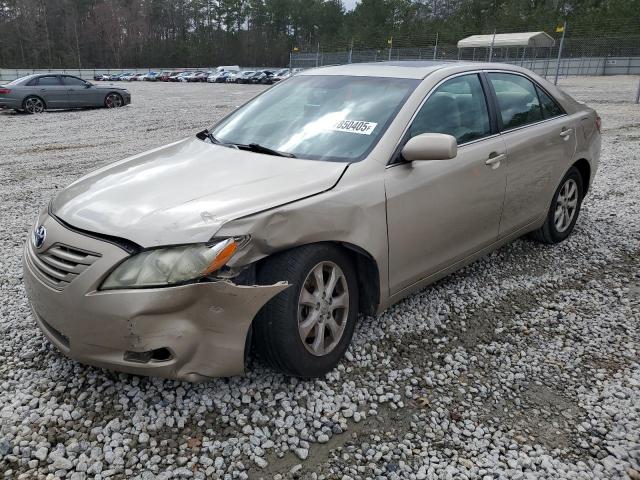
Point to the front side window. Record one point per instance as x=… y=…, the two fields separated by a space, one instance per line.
x=517 y=100
x=458 y=107
x=319 y=117
x=73 y=81
x=49 y=80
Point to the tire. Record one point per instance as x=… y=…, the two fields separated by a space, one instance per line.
x=113 y=100
x=277 y=332
x=564 y=210
x=33 y=104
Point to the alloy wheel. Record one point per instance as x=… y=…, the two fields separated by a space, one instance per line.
x=34 y=105
x=566 y=205
x=323 y=308
x=113 y=100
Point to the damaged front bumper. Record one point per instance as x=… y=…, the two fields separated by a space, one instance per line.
x=188 y=332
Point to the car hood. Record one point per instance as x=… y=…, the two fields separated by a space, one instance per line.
x=184 y=192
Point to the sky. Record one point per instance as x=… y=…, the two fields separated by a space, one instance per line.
x=350 y=4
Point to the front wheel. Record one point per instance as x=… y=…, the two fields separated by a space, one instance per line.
x=564 y=210
x=305 y=330
x=113 y=100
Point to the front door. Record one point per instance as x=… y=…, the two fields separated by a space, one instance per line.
x=81 y=93
x=442 y=211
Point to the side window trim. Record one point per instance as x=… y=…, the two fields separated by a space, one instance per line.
x=536 y=85
x=492 y=104
x=395 y=157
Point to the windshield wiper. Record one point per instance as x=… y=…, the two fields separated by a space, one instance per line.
x=252 y=147
x=256 y=147
x=206 y=134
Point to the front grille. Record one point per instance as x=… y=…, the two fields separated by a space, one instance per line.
x=60 y=264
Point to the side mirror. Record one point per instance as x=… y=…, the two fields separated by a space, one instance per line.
x=88 y=85
x=430 y=146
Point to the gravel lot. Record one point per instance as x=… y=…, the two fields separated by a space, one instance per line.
x=524 y=365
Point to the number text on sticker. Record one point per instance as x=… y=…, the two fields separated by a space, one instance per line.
x=354 y=126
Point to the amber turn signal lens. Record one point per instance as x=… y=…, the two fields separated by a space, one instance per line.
x=229 y=247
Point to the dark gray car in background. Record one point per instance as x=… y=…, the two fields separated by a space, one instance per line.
x=37 y=93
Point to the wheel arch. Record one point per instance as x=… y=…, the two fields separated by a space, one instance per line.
x=584 y=167
x=367 y=271
x=36 y=96
x=109 y=92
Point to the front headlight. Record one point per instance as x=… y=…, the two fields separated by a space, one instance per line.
x=170 y=266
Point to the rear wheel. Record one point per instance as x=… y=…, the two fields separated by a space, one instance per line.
x=306 y=329
x=33 y=104
x=564 y=210
x=113 y=100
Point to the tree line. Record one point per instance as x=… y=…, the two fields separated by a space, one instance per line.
x=157 y=33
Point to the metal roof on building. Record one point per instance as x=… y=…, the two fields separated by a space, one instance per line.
x=523 y=39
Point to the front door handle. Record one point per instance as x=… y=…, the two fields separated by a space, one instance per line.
x=494 y=160
x=566 y=132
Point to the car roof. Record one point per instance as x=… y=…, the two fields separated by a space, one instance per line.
x=416 y=69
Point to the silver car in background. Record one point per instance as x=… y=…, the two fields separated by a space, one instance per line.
x=340 y=190
x=37 y=93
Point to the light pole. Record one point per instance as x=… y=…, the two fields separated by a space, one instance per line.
x=493 y=40
x=564 y=30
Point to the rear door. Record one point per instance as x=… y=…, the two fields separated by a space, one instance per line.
x=52 y=91
x=538 y=135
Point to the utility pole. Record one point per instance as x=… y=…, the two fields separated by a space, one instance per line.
x=435 y=48
x=390 y=42
x=638 y=94
x=318 y=55
x=564 y=30
x=351 y=51
x=492 y=42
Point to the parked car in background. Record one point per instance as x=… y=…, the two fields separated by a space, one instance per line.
x=98 y=76
x=281 y=74
x=165 y=75
x=246 y=76
x=149 y=77
x=220 y=77
x=311 y=218
x=179 y=77
x=37 y=93
x=228 y=68
x=198 y=76
x=262 y=77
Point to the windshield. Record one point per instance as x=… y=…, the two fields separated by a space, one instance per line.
x=333 y=118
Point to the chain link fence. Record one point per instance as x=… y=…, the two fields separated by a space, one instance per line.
x=581 y=53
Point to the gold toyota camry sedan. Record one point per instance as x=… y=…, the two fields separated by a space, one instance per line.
x=340 y=190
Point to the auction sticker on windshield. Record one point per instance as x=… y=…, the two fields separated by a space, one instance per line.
x=354 y=126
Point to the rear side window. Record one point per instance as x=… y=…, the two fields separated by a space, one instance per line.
x=73 y=81
x=550 y=108
x=48 y=80
x=458 y=107
x=517 y=100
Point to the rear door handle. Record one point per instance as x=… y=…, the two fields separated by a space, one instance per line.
x=566 y=132
x=494 y=160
